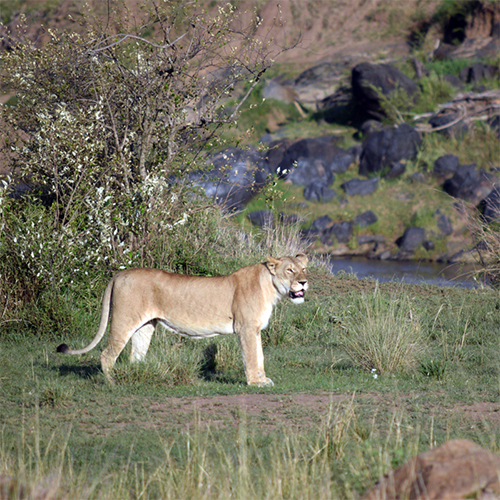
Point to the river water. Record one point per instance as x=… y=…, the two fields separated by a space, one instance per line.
x=431 y=273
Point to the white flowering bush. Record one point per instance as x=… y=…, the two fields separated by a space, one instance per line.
x=106 y=127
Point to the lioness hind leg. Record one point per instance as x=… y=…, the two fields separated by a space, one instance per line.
x=115 y=346
x=140 y=342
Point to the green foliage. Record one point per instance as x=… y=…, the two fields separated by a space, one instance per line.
x=104 y=132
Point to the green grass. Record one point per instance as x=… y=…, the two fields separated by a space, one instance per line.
x=64 y=429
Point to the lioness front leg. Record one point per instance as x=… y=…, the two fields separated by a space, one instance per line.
x=253 y=357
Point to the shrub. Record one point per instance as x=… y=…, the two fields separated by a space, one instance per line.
x=106 y=127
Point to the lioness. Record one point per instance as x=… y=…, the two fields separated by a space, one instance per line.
x=197 y=307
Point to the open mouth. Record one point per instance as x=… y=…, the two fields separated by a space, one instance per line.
x=296 y=295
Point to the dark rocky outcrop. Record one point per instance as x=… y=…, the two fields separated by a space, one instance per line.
x=321 y=223
x=478 y=72
x=444 y=225
x=448 y=123
x=365 y=219
x=491 y=204
x=445 y=165
x=310 y=159
x=397 y=170
x=318 y=191
x=412 y=238
x=367 y=77
x=341 y=231
x=469 y=184
x=360 y=187
x=385 y=148
x=235 y=178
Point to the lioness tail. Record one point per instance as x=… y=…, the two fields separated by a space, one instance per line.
x=106 y=306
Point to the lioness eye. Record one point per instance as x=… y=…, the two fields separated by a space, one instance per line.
x=290 y=270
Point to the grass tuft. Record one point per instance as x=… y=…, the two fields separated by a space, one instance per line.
x=382 y=333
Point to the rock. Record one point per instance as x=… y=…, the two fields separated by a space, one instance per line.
x=492 y=206
x=370 y=126
x=307 y=170
x=318 y=191
x=428 y=245
x=365 y=219
x=456 y=469
x=418 y=177
x=445 y=165
x=338 y=107
x=384 y=77
x=261 y=218
x=448 y=124
x=274 y=89
x=385 y=255
x=397 y=170
x=412 y=238
x=469 y=184
x=444 y=225
x=321 y=223
x=314 y=159
x=316 y=82
x=275 y=154
x=387 y=147
x=235 y=178
x=360 y=187
x=478 y=72
x=364 y=239
x=290 y=219
x=341 y=230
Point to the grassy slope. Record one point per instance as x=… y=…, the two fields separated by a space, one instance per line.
x=58 y=414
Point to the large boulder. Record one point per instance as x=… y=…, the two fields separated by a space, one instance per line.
x=456 y=469
x=448 y=123
x=367 y=77
x=233 y=177
x=469 y=184
x=492 y=206
x=313 y=159
x=385 y=148
x=365 y=219
x=412 y=238
x=478 y=72
x=360 y=187
x=318 y=191
x=342 y=231
x=445 y=165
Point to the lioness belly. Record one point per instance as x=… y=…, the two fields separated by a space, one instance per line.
x=197 y=331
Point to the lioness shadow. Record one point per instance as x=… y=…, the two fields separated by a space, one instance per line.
x=209 y=371
x=85 y=372
x=208 y=365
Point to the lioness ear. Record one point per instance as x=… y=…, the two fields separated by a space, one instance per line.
x=271 y=264
x=302 y=258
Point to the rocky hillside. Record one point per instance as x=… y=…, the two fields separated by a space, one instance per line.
x=377 y=128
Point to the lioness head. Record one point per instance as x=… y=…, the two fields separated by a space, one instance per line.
x=289 y=276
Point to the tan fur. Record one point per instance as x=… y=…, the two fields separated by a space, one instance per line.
x=197 y=307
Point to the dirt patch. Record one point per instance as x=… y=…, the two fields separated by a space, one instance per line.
x=268 y=410
x=479 y=412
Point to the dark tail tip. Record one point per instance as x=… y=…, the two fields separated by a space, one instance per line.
x=63 y=348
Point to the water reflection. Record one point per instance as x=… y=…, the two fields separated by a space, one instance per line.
x=430 y=273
